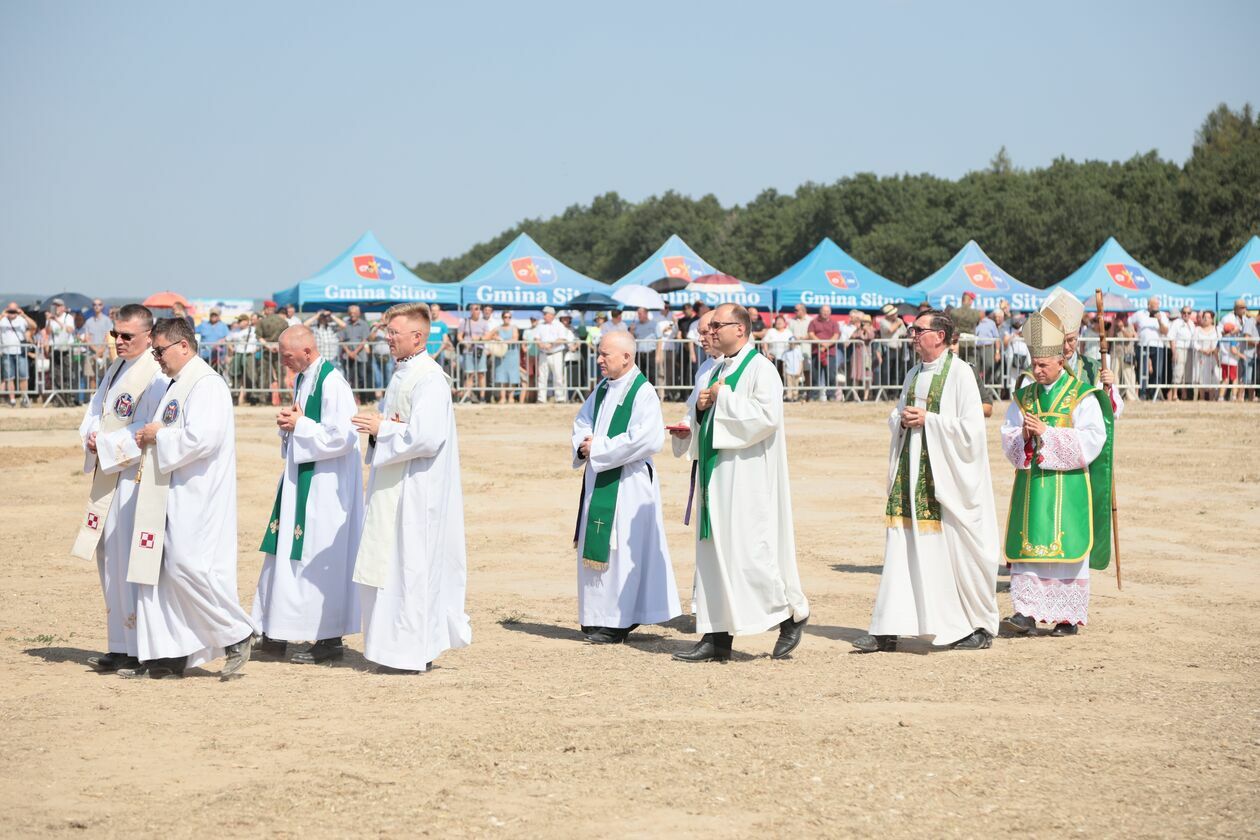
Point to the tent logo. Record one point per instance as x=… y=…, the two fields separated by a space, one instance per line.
x=982 y=277
x=535 y=271
x=684 y=268
x=842 y=279
x=370 y=267
x=1128 y=276
x=1255 y=267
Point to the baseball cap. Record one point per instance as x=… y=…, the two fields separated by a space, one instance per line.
x=969 y=294
x=269 y=304
x=549 y=310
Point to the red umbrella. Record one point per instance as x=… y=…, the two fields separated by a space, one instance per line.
x=166 y=300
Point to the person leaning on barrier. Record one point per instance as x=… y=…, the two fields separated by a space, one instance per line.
x=17 y=332
x=1245 y=337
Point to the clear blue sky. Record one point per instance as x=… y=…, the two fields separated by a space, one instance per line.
x=234 y=148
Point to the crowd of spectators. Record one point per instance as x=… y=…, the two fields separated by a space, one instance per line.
x=496 y=356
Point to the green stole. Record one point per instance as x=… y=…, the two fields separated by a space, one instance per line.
x=603 y=506
x=1062 y=516
x=305 y=471
x=927 y=510
x=709 y=455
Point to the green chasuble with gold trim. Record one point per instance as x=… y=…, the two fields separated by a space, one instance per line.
x=1062 y=516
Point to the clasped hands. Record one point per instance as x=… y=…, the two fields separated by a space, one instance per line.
x=368 y=422
x=147 y=436
x=1033 y=426
x=288 y=417
x=913 y=417
x=708 y=397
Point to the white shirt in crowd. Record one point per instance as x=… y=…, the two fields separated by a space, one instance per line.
x=776 y=341
x=12 y=334
x=62 y=329
x=555 y=334
x=244 y=340
x=1148 y=327
x=1181 y=333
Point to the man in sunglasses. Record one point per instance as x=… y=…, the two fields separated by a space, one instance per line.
x=183 y=554
x=130 y=391
x=746 y=576
x=939 y=582
x=1181 y=333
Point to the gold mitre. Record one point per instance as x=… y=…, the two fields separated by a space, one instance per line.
x=1043 y=337
x=1064 y=310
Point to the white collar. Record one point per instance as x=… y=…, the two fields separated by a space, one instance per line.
x=1050 y=387
x=625 y=378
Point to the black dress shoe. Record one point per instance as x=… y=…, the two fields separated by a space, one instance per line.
x=588 y=629
x=875 y=644
x=978 y=640
x=606 y=636
x=789 y=637
x=385 y=669
x=109 y=662
x=267 y=646
x=712 y=647
x=322 y=651
x=1064 y=628
x=157 y=669
x=1018 y=625
x=236 y=656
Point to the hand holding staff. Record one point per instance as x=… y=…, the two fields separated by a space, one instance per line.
x=1115 y=515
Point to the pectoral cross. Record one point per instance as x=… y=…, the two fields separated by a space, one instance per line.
x=599 y=524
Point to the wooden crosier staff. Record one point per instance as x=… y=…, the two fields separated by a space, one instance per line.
x=1115 y=516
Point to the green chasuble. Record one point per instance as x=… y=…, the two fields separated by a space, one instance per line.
x=313 y=410
x=603 y=506
x=1062 y=516
x=708 y=454
x=926 y=515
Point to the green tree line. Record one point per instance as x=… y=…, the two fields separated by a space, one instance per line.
x=1181 y=221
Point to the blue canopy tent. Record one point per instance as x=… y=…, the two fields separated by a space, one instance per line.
x=368 y=275
x=1113 y=270
x=676 y=260
x=971 y=270
x=525 y=276
x=1238 y=278
x=828 y=276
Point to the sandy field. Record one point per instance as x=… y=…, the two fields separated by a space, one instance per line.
x=1147 y=724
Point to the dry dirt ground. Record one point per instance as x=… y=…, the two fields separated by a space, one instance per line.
x=1147 y=724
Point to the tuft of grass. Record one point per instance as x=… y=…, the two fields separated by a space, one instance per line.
x=511 y=618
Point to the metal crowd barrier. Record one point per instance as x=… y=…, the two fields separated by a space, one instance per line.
x=521 y=371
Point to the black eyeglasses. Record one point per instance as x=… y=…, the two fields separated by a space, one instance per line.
x=717 y=325
x=921 y=330
x=125 y=336
x=158 y=351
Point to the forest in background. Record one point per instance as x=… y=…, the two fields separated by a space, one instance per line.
x=1181 y=221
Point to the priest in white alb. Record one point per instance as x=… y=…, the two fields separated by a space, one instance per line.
x=1065 y=311
x=411 y=564
x=306 y=589
x=183 y=553
x=126 y=399
x=681 y=444
x=939 y=582
x=625 y=577
x=746 y=576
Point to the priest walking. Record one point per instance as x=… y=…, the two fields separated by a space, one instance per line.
x=128 y=396
x=1058 y=435
x=625 y=577
x=746 y=577
x=183 y=553
x=411 y=565
x=939 y=582
x=305 y=590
